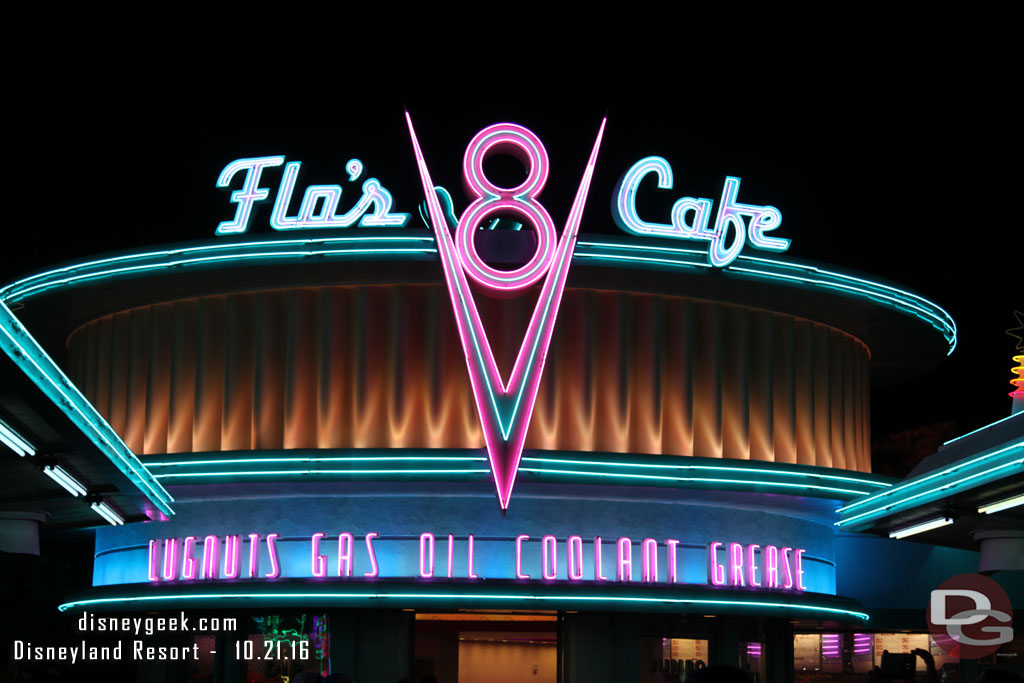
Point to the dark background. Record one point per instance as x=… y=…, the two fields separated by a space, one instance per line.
x=898 y=175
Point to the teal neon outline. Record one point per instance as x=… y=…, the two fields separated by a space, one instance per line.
x=464 y=596
x=44 y=373
x=759 y=470
x=765 y=472
x=901 y=503
x=891 y=297
x=982 y=428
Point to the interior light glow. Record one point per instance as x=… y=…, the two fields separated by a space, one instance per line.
x=15 y=441
x=104 y=510
x=921 y=528
x=1001 y=505
x=338 y=596
x=66 y=481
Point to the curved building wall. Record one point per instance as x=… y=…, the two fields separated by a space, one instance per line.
x=381 y=366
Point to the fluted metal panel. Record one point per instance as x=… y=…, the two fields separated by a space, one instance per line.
x=383 y=367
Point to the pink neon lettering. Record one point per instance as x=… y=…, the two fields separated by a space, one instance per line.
x=716 y=571
x=649 y=560
x=624 y=563
x=451 y=551
x=469 y=573
x=426 y=555
x=519 y=557
x=254 y=555
x=575 y=558
x=170 y=569
x=319 y=561
x=346 y=551
x=735 y=564
x=672 y=545
x=211 y=564
x=799 y=569
x=518 y=396
x=751 y=566
x=771 y=567
x=787 y=571
x=232 y=549
x=598 y=575
x=275 y=568
x=549 y=557
x=374 y=570
x=190 y=568
x=153 y=561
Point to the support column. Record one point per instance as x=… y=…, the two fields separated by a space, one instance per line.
x=778 y=648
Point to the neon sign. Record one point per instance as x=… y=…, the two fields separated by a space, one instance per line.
x=319 y=207
x=505 y=408
x=691 y=216
x=734 y=565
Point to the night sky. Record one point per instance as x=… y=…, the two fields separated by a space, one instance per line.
x=894 y=180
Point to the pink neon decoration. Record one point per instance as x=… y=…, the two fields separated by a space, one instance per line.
x=275 y=567
x=575 y=558
x=649 y=560
x=346 y=550
x=549 y=558
x=736 y=564
x=190 y=568
x=716 y=571
x=154 y=559
x=624 y=563
x=752 y=566
x=211 y=564
x=319 y=561
x=672 y=545
x=798 y=563
x=451 y=551
x=232 y=549
x=787 y=571
x=254 y=555
x=598 y=574
x=374 y=569
x=519 y=557
x=469 y=570
x=426 y=555
x=170 y=568
x=771 y=567
x=505 y=408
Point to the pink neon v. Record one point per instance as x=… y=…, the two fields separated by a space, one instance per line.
x=491 y=393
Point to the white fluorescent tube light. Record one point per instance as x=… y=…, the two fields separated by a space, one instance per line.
x=69 y=483
x=14 y=441
x=108 y=513
x=921 y=528
x=1001 y=505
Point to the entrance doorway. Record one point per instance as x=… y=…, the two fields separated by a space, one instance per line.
x=486 y=647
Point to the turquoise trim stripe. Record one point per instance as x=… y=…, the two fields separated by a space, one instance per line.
x=380 y=596
x=26 y=353
x=618 y=469
x=617 y=252
x=964 y=475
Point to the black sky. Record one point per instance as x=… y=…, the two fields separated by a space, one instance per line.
x=901 y=178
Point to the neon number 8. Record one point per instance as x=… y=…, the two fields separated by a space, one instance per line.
x=506 y=138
